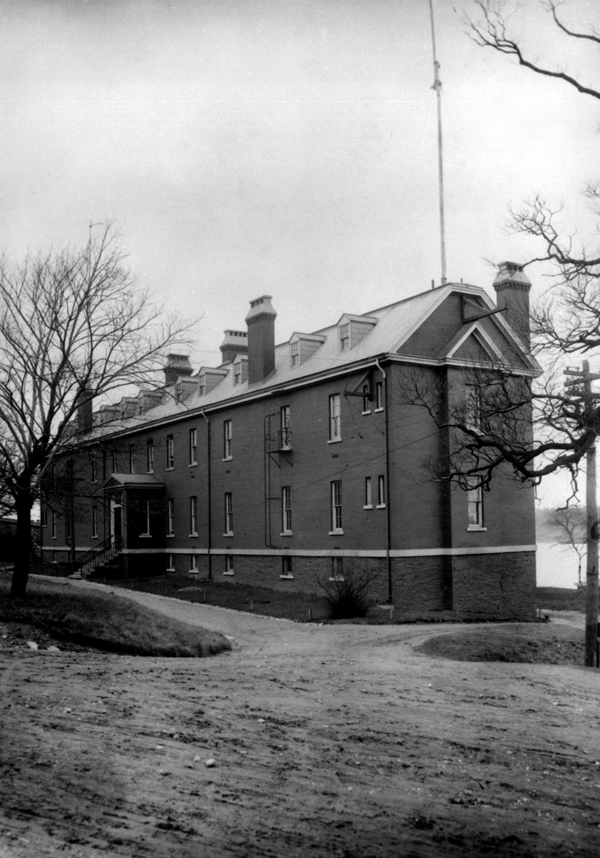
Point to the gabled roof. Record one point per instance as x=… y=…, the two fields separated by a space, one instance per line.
x=392 y=328
x=146 y=481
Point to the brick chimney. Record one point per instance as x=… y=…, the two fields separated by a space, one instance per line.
x=85 y=417
x=177 y=366
x=261 y=339
x=234 y=343
x=512 y=291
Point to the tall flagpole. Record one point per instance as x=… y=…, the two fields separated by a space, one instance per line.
x=437 y=86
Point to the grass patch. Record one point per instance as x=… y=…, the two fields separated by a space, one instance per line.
x=105 y=621
x=526 y=643
x=561 y=599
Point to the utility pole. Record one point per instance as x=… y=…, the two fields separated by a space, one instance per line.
x=437 y=87
x=581 y=390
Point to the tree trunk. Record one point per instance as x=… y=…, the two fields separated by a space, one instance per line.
x=23 y=548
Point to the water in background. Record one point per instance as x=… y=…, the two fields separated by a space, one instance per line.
x=557 y=565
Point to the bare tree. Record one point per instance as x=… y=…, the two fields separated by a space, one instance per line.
x=572 y=522
x=492 y=26
x=73 y=325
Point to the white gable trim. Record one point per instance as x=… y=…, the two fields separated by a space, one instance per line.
x=484 y=340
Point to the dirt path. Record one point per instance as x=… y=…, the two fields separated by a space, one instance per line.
x=327 y=740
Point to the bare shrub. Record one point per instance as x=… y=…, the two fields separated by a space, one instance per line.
x=347 y=589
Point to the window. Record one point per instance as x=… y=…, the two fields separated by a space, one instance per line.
x=115 y=462
x=94 y=521
x=336 y=506
x=147 y=531
x=237 y=373
x=170 y=517
x=344 y=337
x=53 y=525
x=228 y=565
x=227 y=438
x=193 y=516
x=202 y=387
x=132 y=458
x=380 y=491
x=334 y=418
x=193 y=563
x=379 y=396
x=44 y=518
x=170 y=563
x=170 y=452
x=193 y=447
x=368 y=494
x=228 y=514
x=337 y=569
x=295 y=354
x=93 y=467
x=366 y=398
x=475 y=509
x=285 y=441
x=286 y=567
x=286 y=509
x=68 y=526
x=473 y=407
x=150 y=456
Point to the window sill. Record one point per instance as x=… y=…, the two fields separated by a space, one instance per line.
x=169 y=468
x=170 y=569
x=380 y=506
x=286 y=533
x=368 y=506
x=287 y=577
x=334 y=440
x=193 y=465
x=228 y=534
x=94 y=536
x=229 y=574
x=194 y=572
x=474 y=528
x=152 y=471
x=145 y=536
x=337 y=580
x=228 y=459
x=170 y=535
x=364 y=413
x=336 y=532
x=193 y=536
x=378 y=409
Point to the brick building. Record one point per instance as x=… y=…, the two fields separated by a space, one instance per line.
x=285 y=462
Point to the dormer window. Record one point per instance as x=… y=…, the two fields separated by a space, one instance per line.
x=295 y=353
x=237 y=373
x=352 y=329
x=240 y=369
x=344 y=337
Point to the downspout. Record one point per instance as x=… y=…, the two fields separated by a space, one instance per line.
x=388 y=505
x=208 y=490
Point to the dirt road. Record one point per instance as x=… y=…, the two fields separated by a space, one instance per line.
x=326 y=740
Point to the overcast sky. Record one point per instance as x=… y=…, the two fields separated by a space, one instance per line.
x=282 y=147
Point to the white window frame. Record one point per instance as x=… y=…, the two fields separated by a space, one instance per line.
x=94 y=521
x=193 y=564
x=286 y=568
x=475 y=510
x=337 y=569
x=170 y=452
x=229 y=570
x=379 y=396
x=193 y=444
x=368 y=493
x=366 y=397
x=286 y=511
x=228 y=514
x=345 y=337
x=147 y=533
x=132 y=458
x=193 y=515
x=53 y=521
x=336 y=508
x=237 y=373
x=150 y=456
x=227 y=440
x=381 y=498
x=170 y=517
x=335 y=418
x=295 y=354
x=473 y=407
x=170 y=562
x=284 y=427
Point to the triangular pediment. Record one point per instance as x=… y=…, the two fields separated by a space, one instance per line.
x=125 y=481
